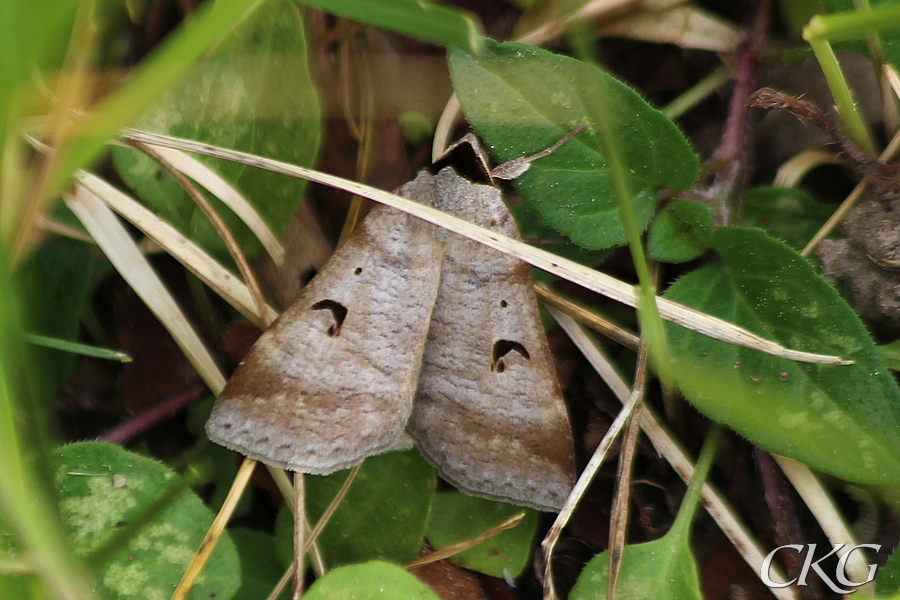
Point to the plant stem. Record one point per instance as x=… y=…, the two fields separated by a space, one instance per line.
x=652 y=329
x=817 y=33
x=704 y=464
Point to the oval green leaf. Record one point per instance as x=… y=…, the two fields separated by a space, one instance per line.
x=457 y=517
x=383 y=516
x=843 y=420
x=256 y=95
x=680 y=232
x=788 y=214
x=138 y=520
x=663 y=569
x=260 y=567
x=521 y=99
x=426 y=21
x=370 y=581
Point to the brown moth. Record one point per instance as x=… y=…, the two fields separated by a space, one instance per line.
x=410 y=327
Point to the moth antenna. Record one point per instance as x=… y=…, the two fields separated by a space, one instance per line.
x=515 y=167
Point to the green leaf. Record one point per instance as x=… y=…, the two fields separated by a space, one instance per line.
x=680 y=232
x=224 y=119
x=789 y=214
x=251 y=104
x=370 y=581
x=383 y=516
x=536 y=231
x=844 y=420
x=260 y=566
x=887 y=582
x=522 y=99
x=165 y=67
x=272 y=56
x=890 y=355
x=27 y=507
x=426 y=21
x=137 y=520
x=456 y=517
x=659 y=570
x=54 y=283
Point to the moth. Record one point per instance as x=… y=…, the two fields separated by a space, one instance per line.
x=410 y=330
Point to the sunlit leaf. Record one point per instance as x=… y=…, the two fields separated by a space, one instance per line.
x=457 y=517
x=680 y=232
x=138 y=520
x=426 y=21
x=383 y=515
x=521 y=99
x=844 y=420
x=370 y=581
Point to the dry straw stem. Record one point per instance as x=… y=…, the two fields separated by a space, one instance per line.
x=306 y=540
x=123 y=253
x=667 y=447
x=300 y=535
x=281 y=585
x=618 y=526
x=572 y=271
x=286 y=488
x=455 y=549
x=234 y=250
x=241 y=479
x=229 y=196
x=188 y=253
x=820 y=504
x=596 y=322
x=630 y=402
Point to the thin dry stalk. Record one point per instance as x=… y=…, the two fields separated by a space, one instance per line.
x=588 y=278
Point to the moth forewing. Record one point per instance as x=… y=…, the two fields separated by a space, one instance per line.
x=332 y=381
x=488 y=411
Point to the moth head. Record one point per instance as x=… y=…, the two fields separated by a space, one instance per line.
x=468 y=159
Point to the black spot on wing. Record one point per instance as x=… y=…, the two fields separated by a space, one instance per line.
x=338 y=313
x=502 y=348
